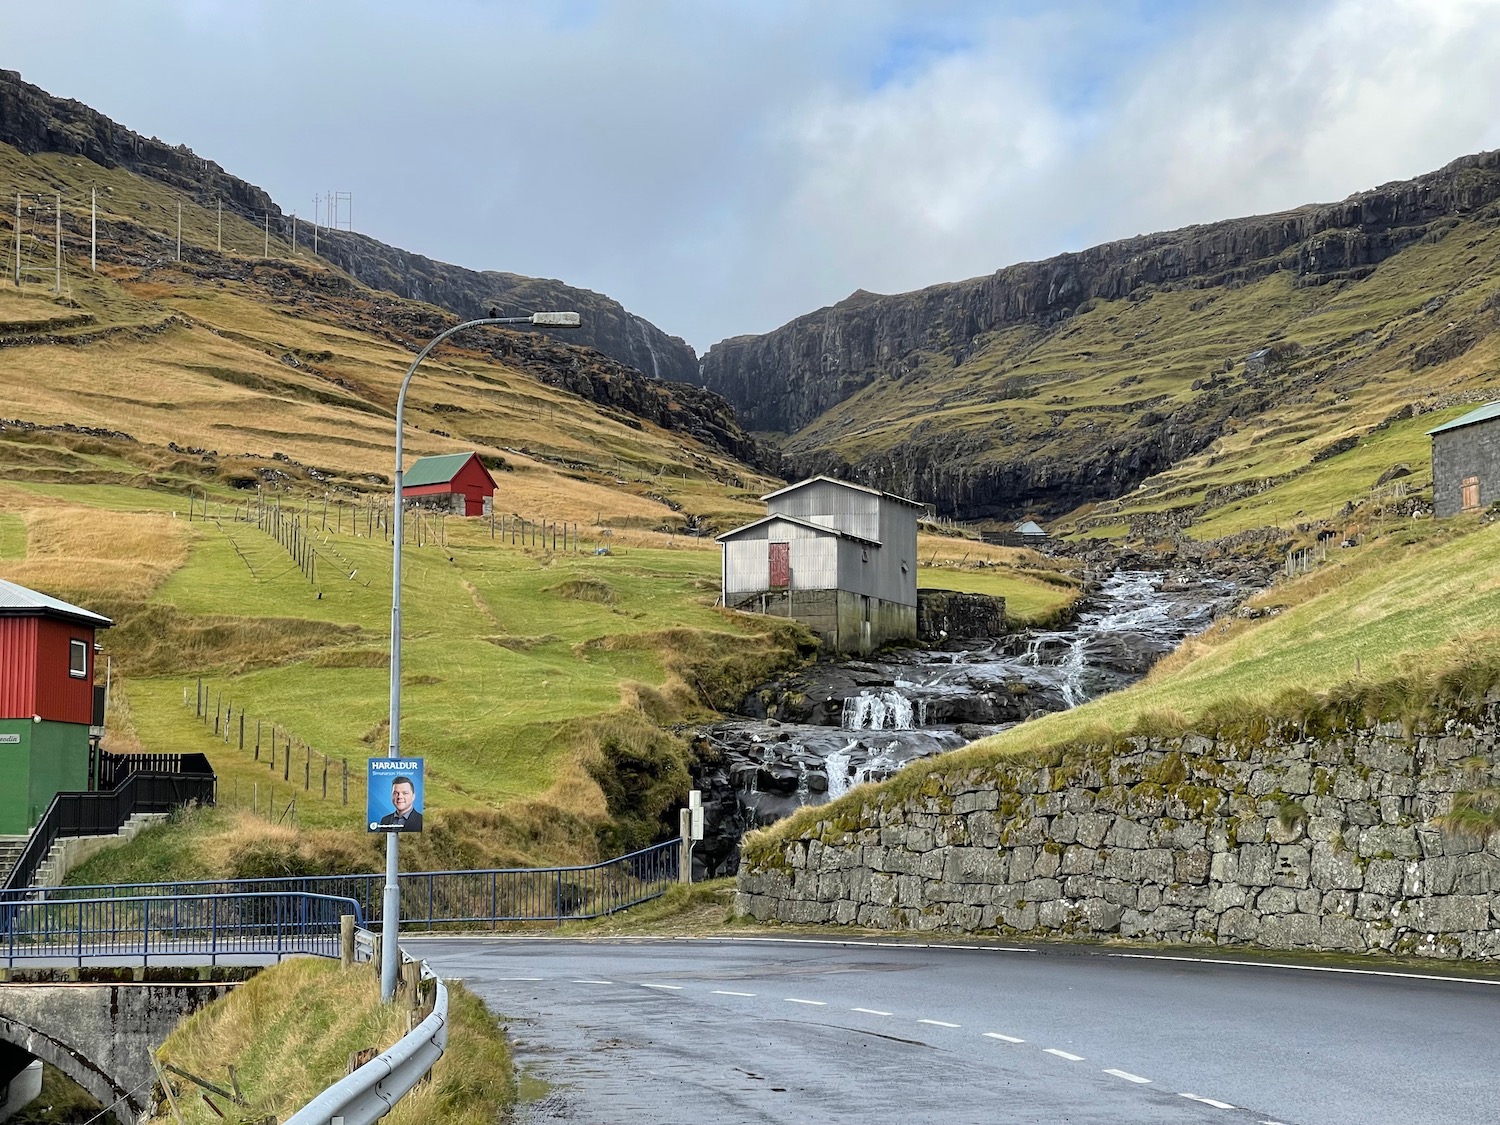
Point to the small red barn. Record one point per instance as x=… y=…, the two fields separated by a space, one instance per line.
x=461 y=476
x=47 y=702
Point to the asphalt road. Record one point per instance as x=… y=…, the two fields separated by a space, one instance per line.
x=735 y=1031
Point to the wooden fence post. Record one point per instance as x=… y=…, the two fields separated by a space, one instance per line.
x=257 y=740
x=346 y=779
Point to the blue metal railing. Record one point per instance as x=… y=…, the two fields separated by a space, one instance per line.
x=124 y=928
x=432 y=899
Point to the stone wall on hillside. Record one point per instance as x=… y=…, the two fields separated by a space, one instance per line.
x=1287 y=842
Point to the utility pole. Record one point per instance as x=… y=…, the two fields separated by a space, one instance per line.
x=179 y=232
x=220 y=246
x=294 y=234
x=266 y=253
x=315 y=226
x=18 y=240
x=57 y=237
x=94 y=229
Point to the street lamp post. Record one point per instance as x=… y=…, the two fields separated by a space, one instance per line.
x=390 y=925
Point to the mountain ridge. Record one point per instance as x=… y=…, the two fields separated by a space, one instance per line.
x=831 y=380
x=32 y=120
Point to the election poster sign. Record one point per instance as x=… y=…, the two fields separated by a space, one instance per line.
x=394 y=795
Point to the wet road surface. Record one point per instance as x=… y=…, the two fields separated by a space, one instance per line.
x=730 y=1031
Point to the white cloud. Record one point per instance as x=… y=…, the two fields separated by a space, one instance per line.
x=722 y=168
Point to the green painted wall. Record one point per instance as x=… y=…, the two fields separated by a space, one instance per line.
x=49 y=758
x=15 y=776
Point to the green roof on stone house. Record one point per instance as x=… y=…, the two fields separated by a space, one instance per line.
x=1483 y=414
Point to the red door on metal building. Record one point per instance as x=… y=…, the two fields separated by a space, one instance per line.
x=781 y=564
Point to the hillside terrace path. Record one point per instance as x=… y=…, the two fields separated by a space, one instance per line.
x=734 y=1031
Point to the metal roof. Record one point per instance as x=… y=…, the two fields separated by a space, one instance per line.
x=1483 y=414
x=842 y=484
x=1029 y=527
x=809 y=524
x=18 y=601
x=439 y=469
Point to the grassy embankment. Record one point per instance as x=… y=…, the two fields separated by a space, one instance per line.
x=1397 y=630
x=289 y=1032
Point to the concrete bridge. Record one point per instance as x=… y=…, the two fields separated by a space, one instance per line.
x=101 y=1035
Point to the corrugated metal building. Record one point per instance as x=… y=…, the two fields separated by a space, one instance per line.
x=46 y=701
x=839 y=557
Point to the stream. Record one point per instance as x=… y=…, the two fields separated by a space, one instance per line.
x=810 y=737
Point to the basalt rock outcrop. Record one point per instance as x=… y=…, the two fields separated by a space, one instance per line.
x=34 y=121
x=971 y=341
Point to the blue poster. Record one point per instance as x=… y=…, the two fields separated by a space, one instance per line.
x=395 y=795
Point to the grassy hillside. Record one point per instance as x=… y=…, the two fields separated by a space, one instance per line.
x=158 y=392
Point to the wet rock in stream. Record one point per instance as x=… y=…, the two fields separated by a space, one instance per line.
x=812 y=736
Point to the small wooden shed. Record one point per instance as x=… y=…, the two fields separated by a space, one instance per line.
x=47 y=701
x=461 y=477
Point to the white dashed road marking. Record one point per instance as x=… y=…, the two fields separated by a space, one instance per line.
x=1209 y=1101
x=1068 y=1055
x=520 y=978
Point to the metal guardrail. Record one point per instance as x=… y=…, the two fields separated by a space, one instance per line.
x=433 y=899
x=103 y=814
x=127 y=929
x=371 y=1091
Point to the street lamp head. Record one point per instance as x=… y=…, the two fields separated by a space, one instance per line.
x=556 y=319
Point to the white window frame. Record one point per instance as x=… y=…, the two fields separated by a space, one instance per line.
x=75 y=647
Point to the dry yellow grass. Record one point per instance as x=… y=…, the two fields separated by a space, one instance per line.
x=289 y=1031
x=109 y=554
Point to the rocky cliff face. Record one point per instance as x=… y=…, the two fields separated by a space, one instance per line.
x=873 y=347
x=33 y=121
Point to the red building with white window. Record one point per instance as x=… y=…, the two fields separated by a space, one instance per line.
x=46 y=701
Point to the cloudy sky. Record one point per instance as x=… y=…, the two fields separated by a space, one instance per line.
x=721 y=166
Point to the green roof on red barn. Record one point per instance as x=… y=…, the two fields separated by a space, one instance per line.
x=18 y=601
x=437 y=470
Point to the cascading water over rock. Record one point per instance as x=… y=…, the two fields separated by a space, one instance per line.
x=840 y=724
x=884 y=710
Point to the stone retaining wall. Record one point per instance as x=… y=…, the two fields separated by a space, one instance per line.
x=1290 y=842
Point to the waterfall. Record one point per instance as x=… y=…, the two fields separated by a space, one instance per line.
x=1072 y=667
x=837 y=765
x=885 y=710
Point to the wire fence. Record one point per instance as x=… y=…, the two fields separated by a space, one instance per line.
x=282 y=751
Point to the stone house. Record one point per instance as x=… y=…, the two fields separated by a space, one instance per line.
x=1466 y=462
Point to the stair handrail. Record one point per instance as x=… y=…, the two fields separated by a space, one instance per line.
x=117 y=806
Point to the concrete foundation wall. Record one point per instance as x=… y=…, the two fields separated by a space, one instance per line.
x=837 y=616
x=1326 y=844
